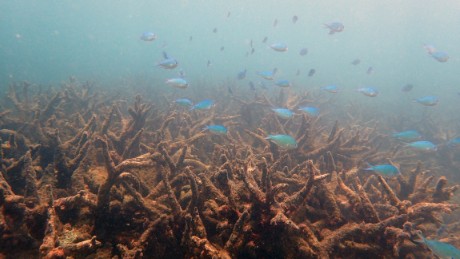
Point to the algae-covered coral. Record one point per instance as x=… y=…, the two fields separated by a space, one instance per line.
x=86 y=173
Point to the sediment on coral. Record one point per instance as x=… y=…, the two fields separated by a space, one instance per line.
x=86 y=174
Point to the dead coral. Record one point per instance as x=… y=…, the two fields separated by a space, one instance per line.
x=86 y=174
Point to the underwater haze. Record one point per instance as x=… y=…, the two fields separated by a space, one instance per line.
x=229 y=129
x=46 y=41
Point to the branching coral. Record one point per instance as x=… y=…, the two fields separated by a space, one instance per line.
x=141 y=181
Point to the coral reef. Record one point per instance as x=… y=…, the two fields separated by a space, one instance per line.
x=86 y=173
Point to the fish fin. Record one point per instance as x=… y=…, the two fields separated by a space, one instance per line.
x=370 y=167
x=165 y=55
x=275 y=70
x=420 y=235
x=181 y=73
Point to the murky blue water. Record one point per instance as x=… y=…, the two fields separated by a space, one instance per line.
x=45 y=42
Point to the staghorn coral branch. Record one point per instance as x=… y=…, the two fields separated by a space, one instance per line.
x=132 y=147
x=442 y=193
x=394 y=200
x=176 y=208
x=330 y=145
x=369 y=213
x=52 y=228
x=194 y=187
x=81 y=135
x=107 y=121
x=237 y=231
x=211 y=191
x=423 y=209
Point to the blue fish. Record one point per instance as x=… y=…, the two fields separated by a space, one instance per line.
x=441 y=249
x=283 y=83
x=334 y=27
x=203 y=105
x=330 y=88
x=368 y=91
x=283 y=112
x=283 y=141
x=429 y=48
x=148 y=36
x=408 y=135
x=269 y=75
x=384 y=169
x=217 y=129
x=455 y=142
x=312 y=111
x=427 y=100
x=168 y=62
x=423 y=145
x=241 y=75
x=183 y=102
x=303 y=52
x=177 y=83
x=280 y=47
x=440 y=56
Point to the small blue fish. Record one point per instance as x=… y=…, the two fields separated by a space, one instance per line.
x=217 y=129
x=440 y=56
x=370 y=70
x=183 y=102
x=148 y=36
x=429 y=48
x=441 y=249
x=203 y=105
x=280 y=47
x=407 y=88
x=408 y=135
x=241 y=75
x=368 y=91
x=384 y=169
x=283 y=141
x=283 y=112
x=303 y=52
x=177 y=83
x=423 y=145
x=168 y=62
x=312 y=111
x=334 y=27
x=427 y=100
x=330 y=88
x=268 y=75
x=455 y=142
x=311 y=72
x=283 y=83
